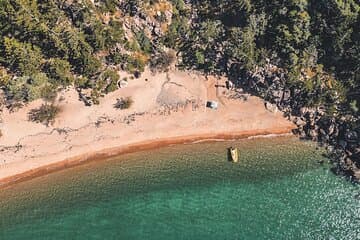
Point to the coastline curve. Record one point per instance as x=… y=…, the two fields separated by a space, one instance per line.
x=136 y=147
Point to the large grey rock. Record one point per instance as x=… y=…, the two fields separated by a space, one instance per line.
x=351 y=136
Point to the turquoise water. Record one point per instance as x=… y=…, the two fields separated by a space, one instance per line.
x=277 y=191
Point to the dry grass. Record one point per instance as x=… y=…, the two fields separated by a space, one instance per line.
x=141 y=57
x=161 y=6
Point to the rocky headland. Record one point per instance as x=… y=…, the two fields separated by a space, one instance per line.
x=337 y=131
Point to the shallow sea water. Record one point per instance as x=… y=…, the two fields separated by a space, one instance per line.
x=277 y=191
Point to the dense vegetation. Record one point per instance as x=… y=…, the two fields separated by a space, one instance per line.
x=46 y=45
x=317 y=43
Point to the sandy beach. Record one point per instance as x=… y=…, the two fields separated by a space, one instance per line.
x=167 y=109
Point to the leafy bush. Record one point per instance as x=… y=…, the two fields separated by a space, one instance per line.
x=60 y=71
x=82 y=82
x=45 y=114
x=26 y=88
x=24 y=58
x=110 y=77
x=49 y=93
x=4 y=77
x=90 y=65
x=116 y=58
x=123 y=103
x=144 y=42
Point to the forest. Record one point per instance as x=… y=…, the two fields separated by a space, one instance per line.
x=46 y=45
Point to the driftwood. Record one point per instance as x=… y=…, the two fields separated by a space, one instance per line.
x=84 y=98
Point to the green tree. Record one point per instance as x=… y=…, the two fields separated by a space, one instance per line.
x=59 y=71
x=22 y=57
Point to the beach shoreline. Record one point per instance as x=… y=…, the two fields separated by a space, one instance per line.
x=168 y=108
x=137 y=147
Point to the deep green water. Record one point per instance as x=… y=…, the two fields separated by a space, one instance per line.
x=277 y=191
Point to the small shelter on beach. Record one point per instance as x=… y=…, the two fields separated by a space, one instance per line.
x=212 y=104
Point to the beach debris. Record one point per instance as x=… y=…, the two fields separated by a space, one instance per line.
x=233 y=154
x=212 y=104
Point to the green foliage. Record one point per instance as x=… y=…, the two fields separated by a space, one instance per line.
x=200 y=58
x=81 y=82
x=4 y=77
x=116 y=58
x=48 y=93
x=177 y=31
x=22 y=57
x=354 y=107
x=110 y=79
x=108 y=5
x=236 y=35
x=45 y=114
x=49 y=44
x=26 y=88
x=59 y=72
x=102 y=37
x=90 y=65
x=144 y=42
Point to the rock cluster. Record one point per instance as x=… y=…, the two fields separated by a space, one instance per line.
x=339 y=133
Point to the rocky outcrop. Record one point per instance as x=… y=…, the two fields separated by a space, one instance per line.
x=339 y=133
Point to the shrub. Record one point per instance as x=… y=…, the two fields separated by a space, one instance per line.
x=144 y=42
x=82 y=82
x=90 y=65
x=95 y=96
x=110 y=78
x=60 y=71
x=21 y=57
x=4 y=77
x=45 y=114
x=116 y=58
x=162 y=61
x=123 y=103
x=29 y=88
x=49 y=93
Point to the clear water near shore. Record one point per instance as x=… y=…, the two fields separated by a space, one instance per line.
x=277 y=191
